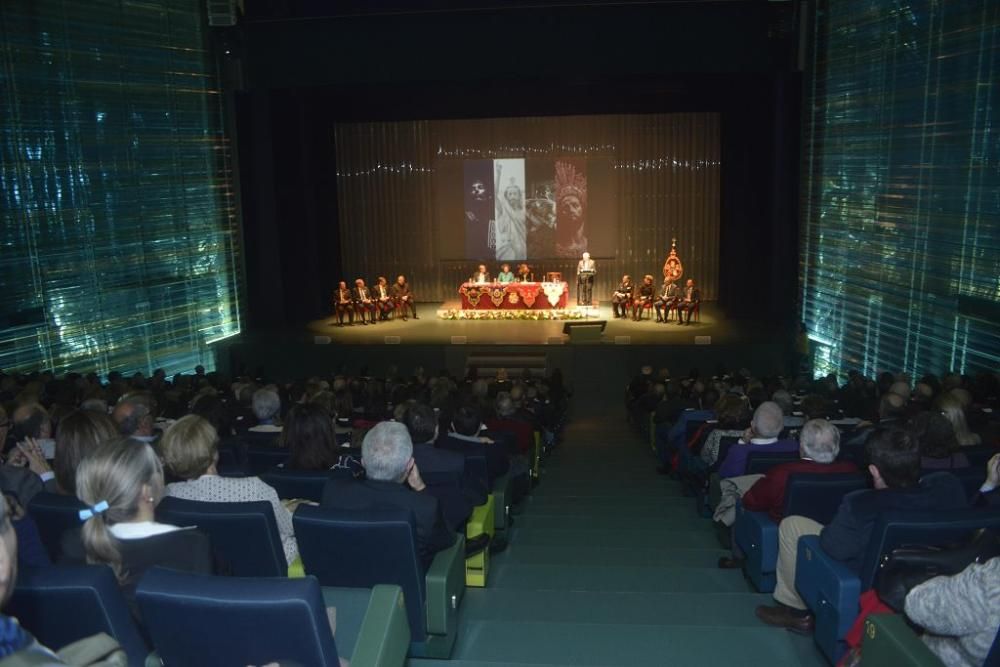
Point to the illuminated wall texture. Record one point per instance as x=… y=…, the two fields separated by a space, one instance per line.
x=900 y=264
x=119 y=244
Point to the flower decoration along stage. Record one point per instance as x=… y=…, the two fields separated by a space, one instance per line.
x=512 y=314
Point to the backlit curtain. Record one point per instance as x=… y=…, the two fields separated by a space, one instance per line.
x=119 y=245
x=900 y=264
x=664 y=184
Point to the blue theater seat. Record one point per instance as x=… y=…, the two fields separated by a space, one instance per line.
x=304 y=484
x=197 y=620
x=758 y=463
x=831 y=590
x=54 y=514
x=364 y=548
x=261 y=458
x=63 y=604
x=245 y=535
x=814 y=495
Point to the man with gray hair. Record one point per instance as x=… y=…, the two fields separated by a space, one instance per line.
x=134 y=417
x=266 y=405
x=819 y=445
x=393 y=480
x=762 y=436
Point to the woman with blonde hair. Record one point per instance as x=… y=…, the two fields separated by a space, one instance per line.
x=190 y=452
x=952 y=409
x=121 y=483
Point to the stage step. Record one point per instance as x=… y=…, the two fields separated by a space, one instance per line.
x=488 y=365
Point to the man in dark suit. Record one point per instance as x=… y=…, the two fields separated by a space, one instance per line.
x=481 y=275
x=404 y=297
x=343 y=301
x=363 y=301
x=443 y=471
x=689 y=299
x=621 y=300
x=669 y=294
x=393 y=480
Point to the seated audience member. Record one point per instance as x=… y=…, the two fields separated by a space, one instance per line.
x=731 y=414
x=960 y=613
x=80 y=433
x=135 y=418
x=819 y=444
x=16 y=643
x=762 y=436
x=212 y=408
x=266 y=409
x=189 y=450
x=938 y=446
x=784 y=400
x=121 y=483
x=422 y=425
x=383 y=298
x=392 y=479
x=988 y=494
x=954 y=412
x=894 y=457
x=464 y=437
x=504 y=422
x=309 y=437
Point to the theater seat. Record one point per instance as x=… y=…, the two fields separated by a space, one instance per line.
x=888 y=641
x=362 y=548
x=197 y=620
x=831 y=590
x=304 y=484
x=60 y=605
x=244 y=535
x=261 y=458
x=814 y=495
x=54 y=514
x=758 y=463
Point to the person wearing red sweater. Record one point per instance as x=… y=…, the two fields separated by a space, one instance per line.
x=819 y=445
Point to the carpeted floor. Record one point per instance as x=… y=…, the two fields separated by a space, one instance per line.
x=609 y=565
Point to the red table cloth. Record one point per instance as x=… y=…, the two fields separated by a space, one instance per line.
x=513 y=296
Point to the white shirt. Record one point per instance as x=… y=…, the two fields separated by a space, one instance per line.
x=137 y=530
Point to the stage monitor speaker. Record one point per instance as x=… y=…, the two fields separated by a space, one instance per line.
x=322 y=340
x=623 y=340
x=585 y=332
x=392 y=340
x=555 y=340
x=459 y=340
x=702 y=340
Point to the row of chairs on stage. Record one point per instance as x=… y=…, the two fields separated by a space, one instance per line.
x=374 y=311
x=637 y=310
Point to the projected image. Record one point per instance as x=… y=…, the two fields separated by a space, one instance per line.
x=478 y=208
x=510 y=233
x=571 y=212
x=525 y=209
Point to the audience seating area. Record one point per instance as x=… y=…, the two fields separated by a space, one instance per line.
x=357 y=591
x=678 y=416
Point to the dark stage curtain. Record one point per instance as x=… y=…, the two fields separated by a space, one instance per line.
x=664 y=183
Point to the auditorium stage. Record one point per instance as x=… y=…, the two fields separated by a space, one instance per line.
x=430 y=329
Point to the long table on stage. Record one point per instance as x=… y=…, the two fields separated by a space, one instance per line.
x=513 y=296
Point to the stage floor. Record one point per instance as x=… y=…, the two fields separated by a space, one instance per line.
x=713 y=328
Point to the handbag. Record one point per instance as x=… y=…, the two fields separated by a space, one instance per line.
x=906 y=567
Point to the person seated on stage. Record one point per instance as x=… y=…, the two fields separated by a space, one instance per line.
x=644 y=298
x=505 y=275
x=669 y=294
x=525 y=274
x=689 y=299
x=343 y=301
x=404 y=297
x=481 y=275
x=621 y=300
x=383 y=298
x=393 y=480
x=363 y=301
x=894 y=465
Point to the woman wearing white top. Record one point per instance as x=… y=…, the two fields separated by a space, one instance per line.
x=190 y=451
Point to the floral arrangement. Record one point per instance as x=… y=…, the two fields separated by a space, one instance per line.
x=536 y=315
